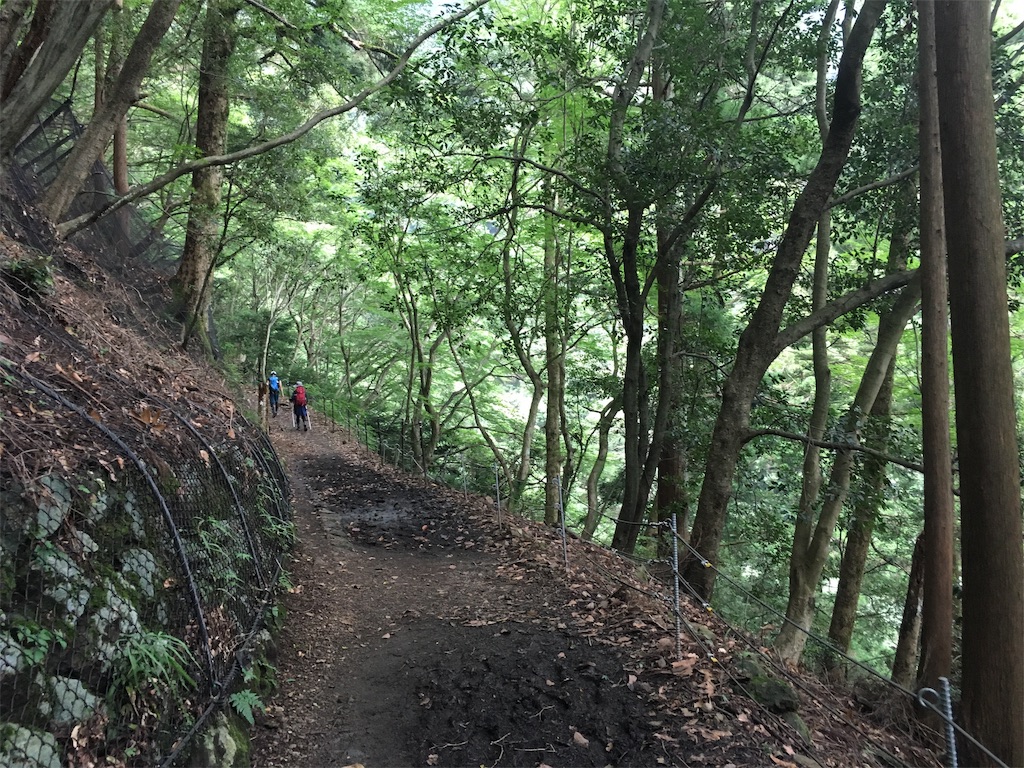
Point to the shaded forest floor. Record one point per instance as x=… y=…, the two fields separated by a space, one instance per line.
x=419 y=632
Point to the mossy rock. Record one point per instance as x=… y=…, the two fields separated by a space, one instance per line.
x=797 y=724
x=224 y=744
x=773 y=694
x=22 y=747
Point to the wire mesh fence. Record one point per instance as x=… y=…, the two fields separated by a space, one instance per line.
x=139 y=549
x=142 y=519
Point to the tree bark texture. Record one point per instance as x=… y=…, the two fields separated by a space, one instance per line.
x=623 y=268
x=191 y=283
x=604 y=427
x=865 y=512
x=757 y=345
x=13 y=17
x=905 y=659
x=555 y=388
x=937 y=611
x=76 y=167
x=811 y=540
x=990 y=512
x=57 y=35
x=862 y=522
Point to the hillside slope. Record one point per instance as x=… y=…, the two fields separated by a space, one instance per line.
x=143 y=518
x=417 y=631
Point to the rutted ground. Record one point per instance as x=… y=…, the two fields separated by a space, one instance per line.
x=419 y=633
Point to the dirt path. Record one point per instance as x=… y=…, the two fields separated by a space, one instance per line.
x=409 y=639
x=417 y=633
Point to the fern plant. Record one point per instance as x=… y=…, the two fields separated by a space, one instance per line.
x=246 y=703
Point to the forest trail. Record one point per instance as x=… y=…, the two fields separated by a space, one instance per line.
x=418 y=633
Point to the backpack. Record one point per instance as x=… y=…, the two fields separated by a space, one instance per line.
x=300 y=395
x=275 y=383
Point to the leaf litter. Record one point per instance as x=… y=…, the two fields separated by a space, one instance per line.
x=444 y=640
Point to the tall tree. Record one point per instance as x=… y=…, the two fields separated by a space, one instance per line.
x=758 y=344
x=812 y=538
x=990 y=524
x=554 y=366
x=191 y=283
x=631 y=295
x=33 y=66
x=58 y=196
x=937 y=610
x=869 y=501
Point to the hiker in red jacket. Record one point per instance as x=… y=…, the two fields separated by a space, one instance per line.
x=298 y=399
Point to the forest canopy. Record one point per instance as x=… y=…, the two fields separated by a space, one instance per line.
x=670 y=272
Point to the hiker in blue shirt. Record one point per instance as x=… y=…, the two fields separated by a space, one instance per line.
x=274 y=388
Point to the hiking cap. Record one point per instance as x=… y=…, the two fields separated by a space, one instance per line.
x=298 y=383
x=273 y=373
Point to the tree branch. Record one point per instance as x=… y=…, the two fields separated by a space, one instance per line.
x=888 y=182
x=845 y=303
x=76 y=225
x=835 y=446
x=271 y=13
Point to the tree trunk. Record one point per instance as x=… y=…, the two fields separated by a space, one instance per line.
x=757 y=345
x=76 y=167
x=634 y=381
x=630 y=298
x=191 y=283
x=604 y=427
x=555 y=388
x=670 y=499
x=905 y=659
x=811 y=546
x=512 y=325
x=119 y=154
x=937 y=612
x=862 y=518
x=33 y=73
x=106 y=77
x=862 y=523
x=811 y=476
x=12 y=19
x=990 y=516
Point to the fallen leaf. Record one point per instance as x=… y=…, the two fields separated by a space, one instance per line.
x=31 y=357
x=684 y=667
x=580 y=739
